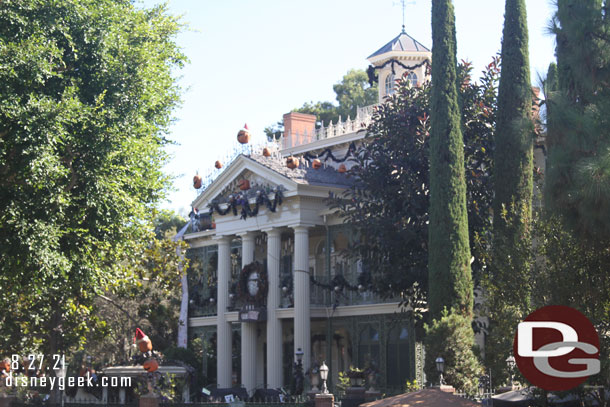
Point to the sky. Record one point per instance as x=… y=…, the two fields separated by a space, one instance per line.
x=252 y=61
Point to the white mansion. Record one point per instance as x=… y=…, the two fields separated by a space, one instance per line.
x=250 y=323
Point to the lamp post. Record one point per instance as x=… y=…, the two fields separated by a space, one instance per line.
x=324 y=376
x=440 y=367
x=510 y=362
x=298 y=372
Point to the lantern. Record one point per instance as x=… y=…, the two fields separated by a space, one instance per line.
x=316 y=164
x=243 y=136
x=292 y=162
x=151 y=365
x=197 y=181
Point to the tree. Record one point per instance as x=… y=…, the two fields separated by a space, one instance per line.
x=578 y=166
x=448 y=249
x=451 y=338
x=150 y=301
x=352 y=91
x=87 y=91
x=512 y=205
x=389 y=202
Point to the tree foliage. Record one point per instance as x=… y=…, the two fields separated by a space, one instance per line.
x=512 y=205
x=87 y=92
x=388 y=204
x=448 y=248
x=352 y=91
x=451 y=338
x=578 y=167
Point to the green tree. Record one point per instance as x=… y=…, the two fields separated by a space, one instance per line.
x=352 y=91
x=87 y=92
x=578 y=166
x=150 y=300
x=448 y=249
x=451 y=338
x=388 y=205
x=512 y=205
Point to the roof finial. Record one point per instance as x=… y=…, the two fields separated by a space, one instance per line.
x=403 y=4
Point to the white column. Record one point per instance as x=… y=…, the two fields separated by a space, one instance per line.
x=248 y=329
x=224 y=367
x=274 y=324
x=302 y=330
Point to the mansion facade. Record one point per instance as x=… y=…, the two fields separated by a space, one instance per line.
x=268 y=274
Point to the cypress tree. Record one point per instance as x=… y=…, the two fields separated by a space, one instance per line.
x=449 y=272
x=514 y=143
x=508 y=286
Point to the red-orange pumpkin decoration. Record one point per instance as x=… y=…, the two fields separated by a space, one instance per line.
x=292 y=162
x=243 y=136
x=218 y=164
x=197 y=181
x=316 y=164
x=151 y=365
x=266 y=152
x=244 y=184
x=342 y=169
x=5 y=365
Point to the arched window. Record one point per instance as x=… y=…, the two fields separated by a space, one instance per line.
x=389 y=84
x=412 y=77
x=398 y=356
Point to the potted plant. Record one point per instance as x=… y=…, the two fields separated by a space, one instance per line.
x=356 y=376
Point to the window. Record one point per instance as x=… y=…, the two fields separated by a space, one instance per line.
x=368 y=347
x=389 y=84
x=398 y=357
x=412 y=77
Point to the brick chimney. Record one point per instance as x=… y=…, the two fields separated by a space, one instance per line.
x=298 y=128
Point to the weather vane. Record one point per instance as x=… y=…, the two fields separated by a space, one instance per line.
x=403 y=4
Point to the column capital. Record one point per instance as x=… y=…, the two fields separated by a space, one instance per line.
x=272 y=231
x=223 y=239
x=301 y=226
x=247 y=235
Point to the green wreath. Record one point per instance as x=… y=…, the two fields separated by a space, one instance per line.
x=263 y=284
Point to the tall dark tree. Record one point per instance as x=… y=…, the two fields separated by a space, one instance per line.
x=578 y=167
x=512 y=205
x=449 y=251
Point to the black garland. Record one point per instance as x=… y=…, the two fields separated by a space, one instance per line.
x=327 y=153
x=242 y=202
x=371 y=69
x=263 y=284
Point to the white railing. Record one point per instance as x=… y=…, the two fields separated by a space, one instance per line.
x=364 y=116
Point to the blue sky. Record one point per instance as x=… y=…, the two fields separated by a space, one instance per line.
x=253 y=61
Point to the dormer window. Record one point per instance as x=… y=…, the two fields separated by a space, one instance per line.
x=389 y=84
x=412 y=77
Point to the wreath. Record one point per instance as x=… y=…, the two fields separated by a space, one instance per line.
x=263 y=284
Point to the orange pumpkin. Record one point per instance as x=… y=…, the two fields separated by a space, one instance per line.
x=218 y=164
x=292 y=162
x=145 y=345
x=197 y=181
x=243 y=136
x=266 y=152
x=342 y=169
x=244 y=184
x=316 y=164
x=151 y=365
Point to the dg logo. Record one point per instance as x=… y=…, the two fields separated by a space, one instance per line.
x=556 y=348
